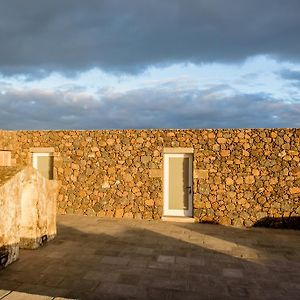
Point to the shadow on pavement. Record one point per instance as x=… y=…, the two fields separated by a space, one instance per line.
x=282 y=223
x=94 y=258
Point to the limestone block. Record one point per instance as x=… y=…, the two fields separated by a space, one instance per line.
x=249 y=179
x=119 y=213
x=145 y=159
x=229 y=181
x=155 y=173
x=127 y=178
x=221 y=140
x=204 y=189
x=149 y=202
x=225 y=153
x=225 y=221
x=201 y=174
x=295 y=190
x=110 y=142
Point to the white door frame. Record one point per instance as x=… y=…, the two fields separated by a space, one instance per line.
x=35 y=156
x=177 y=212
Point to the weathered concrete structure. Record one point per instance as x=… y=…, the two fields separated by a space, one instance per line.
x=38 y=210
x=28 y=210
x=10 y=214
x=238 y=176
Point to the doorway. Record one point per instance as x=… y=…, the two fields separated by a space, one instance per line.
x=43 y=162
x=178 y=185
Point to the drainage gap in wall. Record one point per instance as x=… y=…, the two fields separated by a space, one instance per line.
x=43 y=240
x=3 y=257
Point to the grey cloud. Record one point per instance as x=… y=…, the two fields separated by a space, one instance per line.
x=127 y=36
x=144 y=108
x=290 y=74
x=44 y=110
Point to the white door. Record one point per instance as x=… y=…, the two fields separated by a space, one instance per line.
x=178 y=185
x=43 y=162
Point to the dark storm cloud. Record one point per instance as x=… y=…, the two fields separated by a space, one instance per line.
x=144 y=108
x=62 y=35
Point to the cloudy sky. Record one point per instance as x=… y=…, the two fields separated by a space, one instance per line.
x=99 y=64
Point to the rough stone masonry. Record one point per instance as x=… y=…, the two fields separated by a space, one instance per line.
x=240 y=176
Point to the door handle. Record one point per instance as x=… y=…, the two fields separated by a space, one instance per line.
x=190 y=189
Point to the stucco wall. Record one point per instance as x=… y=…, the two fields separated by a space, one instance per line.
x=27 y=210
x=240 y=176
x=10 y=214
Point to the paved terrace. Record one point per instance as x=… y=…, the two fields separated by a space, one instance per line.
x=94 y=258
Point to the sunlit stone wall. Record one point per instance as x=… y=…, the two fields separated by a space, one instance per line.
x=240 y=176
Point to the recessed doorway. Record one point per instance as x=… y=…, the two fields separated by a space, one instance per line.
x=178 y=185
x=43 y=162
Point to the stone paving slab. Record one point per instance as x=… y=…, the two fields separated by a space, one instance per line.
x=25 y=296
x=3 y=293
x=14 y=295
x=94 y=258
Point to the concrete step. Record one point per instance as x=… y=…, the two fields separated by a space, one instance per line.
x=178 y=219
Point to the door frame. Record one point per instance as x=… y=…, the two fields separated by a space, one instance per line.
x=177 y=212
x=35 y=156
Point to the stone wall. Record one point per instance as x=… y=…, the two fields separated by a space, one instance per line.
x=7 y=139
x=240 y=176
